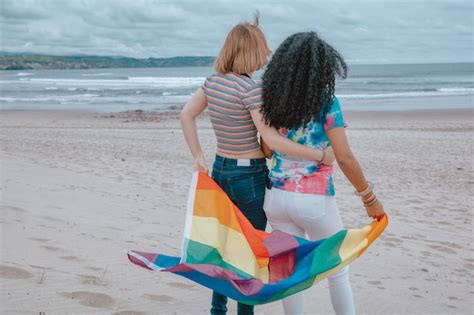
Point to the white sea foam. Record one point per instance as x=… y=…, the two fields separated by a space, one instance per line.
x=435 y=92
x=24 y=74
x=51 y=98
x=167 y=82
x=457 y=89
x=101 y=74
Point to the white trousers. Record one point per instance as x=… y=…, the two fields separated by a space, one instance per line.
x=317 y=216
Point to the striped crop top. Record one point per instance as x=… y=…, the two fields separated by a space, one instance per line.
x=230 y=98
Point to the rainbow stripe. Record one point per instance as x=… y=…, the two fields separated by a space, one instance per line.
x=222 y=251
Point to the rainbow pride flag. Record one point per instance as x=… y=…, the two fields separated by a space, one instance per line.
x=222 y=251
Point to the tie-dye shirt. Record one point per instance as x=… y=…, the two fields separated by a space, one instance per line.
x=292 y=174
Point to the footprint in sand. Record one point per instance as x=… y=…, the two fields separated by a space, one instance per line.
x=443 y=249
x=429 y=254
x=88 y=279
x=181 y=285
x=448 y=244
x=51 y=248
x=70 y=258
x=38 y=239
x=113 y=228
x=469 y=266
x=52 y=219
x=393 y=239
x=163 y=298
x=12 y=208
x=374 y=282
x=92 y=299
x=137 y=219
x=444 y=223
x=7 y=272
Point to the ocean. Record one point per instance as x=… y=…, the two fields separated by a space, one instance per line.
x=368 y=87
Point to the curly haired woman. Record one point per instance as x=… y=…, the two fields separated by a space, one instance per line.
x=234 y=100
x=298 y=99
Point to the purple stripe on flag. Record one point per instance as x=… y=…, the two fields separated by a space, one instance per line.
x=282 y=248
x=278 y=242
x=244 y=286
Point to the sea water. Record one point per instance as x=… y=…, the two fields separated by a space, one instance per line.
x=368 y=87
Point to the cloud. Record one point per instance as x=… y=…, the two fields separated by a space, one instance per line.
x=364 y=31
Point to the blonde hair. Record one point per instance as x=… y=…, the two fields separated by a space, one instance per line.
x=245 y=49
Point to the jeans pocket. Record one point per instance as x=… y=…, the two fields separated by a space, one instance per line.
x=242 y=188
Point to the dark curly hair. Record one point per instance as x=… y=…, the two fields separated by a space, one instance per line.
x=299 y=82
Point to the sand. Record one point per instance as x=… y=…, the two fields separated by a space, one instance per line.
x=77 y=188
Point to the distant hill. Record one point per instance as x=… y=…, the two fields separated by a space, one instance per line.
x=27 y=61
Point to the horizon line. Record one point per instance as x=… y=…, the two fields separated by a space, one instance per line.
x=2 y=52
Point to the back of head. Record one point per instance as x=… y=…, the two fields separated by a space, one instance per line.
x=245 y=49
x=299 y=83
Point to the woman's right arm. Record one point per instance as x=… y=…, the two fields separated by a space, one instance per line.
x=277 y=142
x=351 y=168
x=266 y=149
x=193 y=108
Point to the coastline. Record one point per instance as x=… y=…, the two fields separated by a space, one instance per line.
x=163 y=119
x=79 y=187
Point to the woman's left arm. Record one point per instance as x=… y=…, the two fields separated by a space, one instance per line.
x=193 y=108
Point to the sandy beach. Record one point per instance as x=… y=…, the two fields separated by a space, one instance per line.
x=77 y=188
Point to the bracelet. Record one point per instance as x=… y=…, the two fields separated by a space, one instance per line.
x=366 y=191
x=372 y=203
x=370 y=199
x=324 y=155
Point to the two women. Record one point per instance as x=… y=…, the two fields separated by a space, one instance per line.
x=234 y=102
x=297 y=99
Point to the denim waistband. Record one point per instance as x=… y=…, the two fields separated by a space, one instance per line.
x=230 y=161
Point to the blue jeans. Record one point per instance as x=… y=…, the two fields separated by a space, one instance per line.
x=245 y=186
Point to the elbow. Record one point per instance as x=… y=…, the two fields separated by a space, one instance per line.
x=183 y=116
x=268 y=154
x=271 y=143
x=273 y=146
x=345 y=160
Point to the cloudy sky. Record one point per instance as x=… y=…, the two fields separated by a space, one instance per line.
x=378 y=31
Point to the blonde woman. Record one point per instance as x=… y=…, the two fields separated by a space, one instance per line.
x=233 y=100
